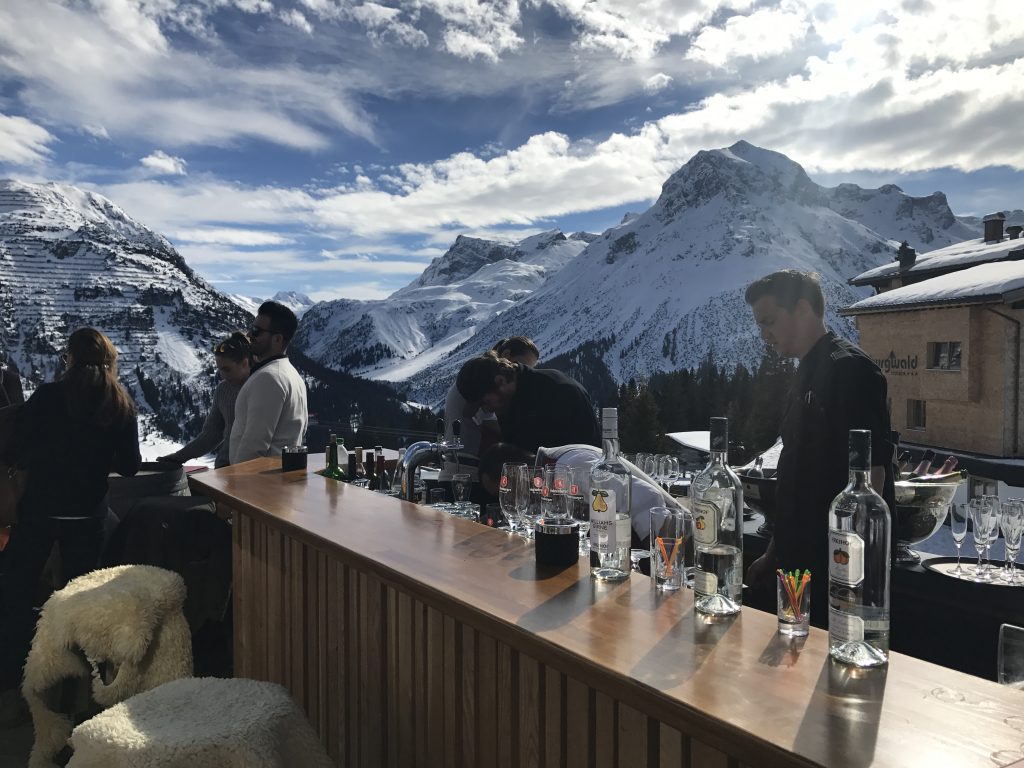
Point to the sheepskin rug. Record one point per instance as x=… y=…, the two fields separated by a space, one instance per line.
x=201 y=723
x=126 y=619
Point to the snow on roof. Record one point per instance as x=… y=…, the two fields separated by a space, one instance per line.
x=699 y=440
x=985 y=282
x=951 y=257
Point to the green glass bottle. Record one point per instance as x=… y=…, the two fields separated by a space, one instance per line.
x=333 y=470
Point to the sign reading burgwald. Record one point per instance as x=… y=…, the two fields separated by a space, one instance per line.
x=898 y=366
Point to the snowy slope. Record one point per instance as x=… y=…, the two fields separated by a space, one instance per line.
x=665 y=289
x=474 y=281
x=70 y=258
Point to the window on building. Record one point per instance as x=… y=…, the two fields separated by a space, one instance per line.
x=915 y=414
x=944 y=355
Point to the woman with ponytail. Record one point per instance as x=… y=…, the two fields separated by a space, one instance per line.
x=71 y=434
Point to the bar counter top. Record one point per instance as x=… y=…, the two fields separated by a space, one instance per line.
x=734 y=687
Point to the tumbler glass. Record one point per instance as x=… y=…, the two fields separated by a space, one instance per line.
x=794 y=603
x=671 y=529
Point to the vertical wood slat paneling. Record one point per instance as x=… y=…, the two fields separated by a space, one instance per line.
x=389 y=680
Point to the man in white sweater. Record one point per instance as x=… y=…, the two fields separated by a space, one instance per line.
x=270 y=412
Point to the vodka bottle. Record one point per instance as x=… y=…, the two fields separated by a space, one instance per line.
x=718 y=530
x=858 y=575
x=610 y=502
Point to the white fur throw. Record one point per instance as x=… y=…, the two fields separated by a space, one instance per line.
x=130 y=617
x=201 y=723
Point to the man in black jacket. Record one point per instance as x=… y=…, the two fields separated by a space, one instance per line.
x=535 y=407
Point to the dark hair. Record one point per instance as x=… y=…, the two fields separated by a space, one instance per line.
x=476 y=378
x=282 y=319
x=515 y=346
x=498 y=454
x=235 y=348
x=91 y=386
x=787 y=287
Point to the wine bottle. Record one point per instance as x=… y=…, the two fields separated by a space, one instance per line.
x=351 y=462
x=610 y=500
x=718 y=530
x=360 y=469
x=925 y=465
x=859 y=534
x=383 y=484
x=371 y=475
x=947 y=466
x=333 y=470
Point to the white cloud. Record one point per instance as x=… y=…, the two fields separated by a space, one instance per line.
x=228 y=236
x=766 y=32
x=294 y=18
x=162 y=163
x=657 y=83
x=22 y=142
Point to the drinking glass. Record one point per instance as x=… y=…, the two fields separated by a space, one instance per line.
x=511 y=487
x=664 y=469
x=981 y=520
x=1011 y=522
x=1011 y=656
x=437 y=496
x=993 y=533
x=670 y=530
x=635 y=556
x=959 y=514
x=579 y=509
x=559 y=479
x=538 y=479
x=461 y=484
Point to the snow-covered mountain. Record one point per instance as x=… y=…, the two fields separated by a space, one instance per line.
x=978 y=228
x=295 y=301
x=663 y=289
x=473 y=282
x=70 y=258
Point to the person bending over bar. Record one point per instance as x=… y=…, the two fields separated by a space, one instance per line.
x=839 y=388
x=535 y=407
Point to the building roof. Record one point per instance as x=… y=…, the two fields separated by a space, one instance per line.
x=952 y=257
x=984 y=284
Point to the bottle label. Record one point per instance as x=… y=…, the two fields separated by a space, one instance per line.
x=845 y=627
x=603 y=529
x=704 y=583
x=705 y=523
x=846 y=557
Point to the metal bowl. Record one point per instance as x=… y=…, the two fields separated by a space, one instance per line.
x=921 y=510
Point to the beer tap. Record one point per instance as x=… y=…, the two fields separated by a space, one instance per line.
x=420 y=452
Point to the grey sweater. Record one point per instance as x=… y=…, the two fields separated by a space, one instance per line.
x=216 y=432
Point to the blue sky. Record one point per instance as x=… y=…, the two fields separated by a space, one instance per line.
x=336 y=146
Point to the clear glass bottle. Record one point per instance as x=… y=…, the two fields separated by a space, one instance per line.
x=610 y=501
x=718 y=530
x=859 y=534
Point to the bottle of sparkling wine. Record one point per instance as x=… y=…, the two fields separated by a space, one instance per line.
x=718 y=530
x=610 y=501
x=858 y=576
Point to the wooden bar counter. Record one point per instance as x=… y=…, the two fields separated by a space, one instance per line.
x=412 y=638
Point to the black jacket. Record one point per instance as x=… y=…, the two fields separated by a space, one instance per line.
x=67 y=457
x=839 y=388
x=548 y=409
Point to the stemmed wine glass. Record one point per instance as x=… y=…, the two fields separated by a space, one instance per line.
x=636 y=555
x=983 y=521
x=1011 y=522
x=993 y=534
x=958 y=517
x=513 y=493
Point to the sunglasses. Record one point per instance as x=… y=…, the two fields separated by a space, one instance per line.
x=255 y=331
x=229 y=346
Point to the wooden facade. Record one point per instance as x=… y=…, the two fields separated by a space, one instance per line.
x=414 y=639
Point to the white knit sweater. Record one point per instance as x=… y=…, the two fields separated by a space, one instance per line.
x=270 y=412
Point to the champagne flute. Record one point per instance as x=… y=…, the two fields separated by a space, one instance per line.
x=1011 y=522
x=958 y=516
x=980 y=521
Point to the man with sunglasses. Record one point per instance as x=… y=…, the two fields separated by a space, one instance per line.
x=270 y=412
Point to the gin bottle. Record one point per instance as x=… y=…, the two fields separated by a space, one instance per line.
x=858 y=576
x=718 y=530
x=610 y=501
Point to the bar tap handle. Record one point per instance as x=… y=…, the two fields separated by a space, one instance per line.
x=439 y=430
x=456 y=443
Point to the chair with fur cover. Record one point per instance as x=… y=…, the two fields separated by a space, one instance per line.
x=123 y=627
